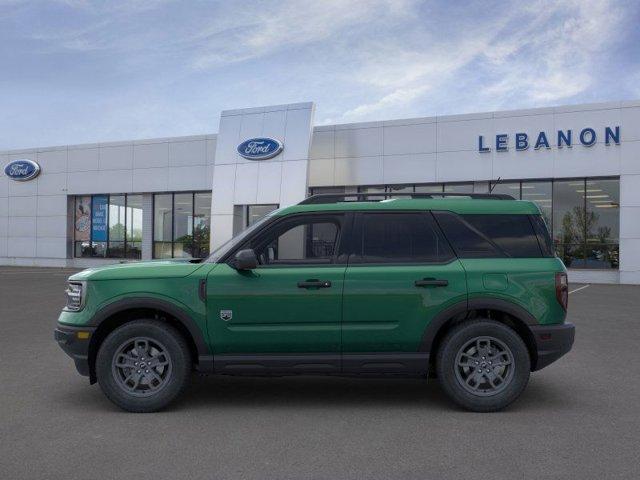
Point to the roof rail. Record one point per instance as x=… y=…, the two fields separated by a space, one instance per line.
x=376 y=197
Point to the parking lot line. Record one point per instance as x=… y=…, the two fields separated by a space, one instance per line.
x=578 y=289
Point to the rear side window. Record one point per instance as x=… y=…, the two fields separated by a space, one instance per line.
x=400 y=238
x=544 y=239
x=483 y=236
x=514 y=234
x=467 y=241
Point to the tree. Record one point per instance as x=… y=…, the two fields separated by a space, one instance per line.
x=116 y=232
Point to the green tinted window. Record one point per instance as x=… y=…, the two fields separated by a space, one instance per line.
x=467 y=241
x=401 y=238
x=491 y=236
x=513 y=234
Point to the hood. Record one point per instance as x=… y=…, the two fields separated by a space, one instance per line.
x=139 y=270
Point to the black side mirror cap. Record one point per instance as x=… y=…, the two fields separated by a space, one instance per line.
x=246 y=260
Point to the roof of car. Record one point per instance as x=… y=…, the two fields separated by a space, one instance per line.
x=462 y=205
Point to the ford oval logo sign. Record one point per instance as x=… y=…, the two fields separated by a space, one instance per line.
x=260 y=148
x=22 y=170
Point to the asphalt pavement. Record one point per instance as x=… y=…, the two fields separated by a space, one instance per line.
x=578 y=418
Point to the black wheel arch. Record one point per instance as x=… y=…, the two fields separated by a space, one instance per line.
x=503 y=311
x=128 y=309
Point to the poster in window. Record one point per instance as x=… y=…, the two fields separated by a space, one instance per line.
x=99 y=218
x=83 y=219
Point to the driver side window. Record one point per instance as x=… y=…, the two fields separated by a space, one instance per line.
x=298 y=242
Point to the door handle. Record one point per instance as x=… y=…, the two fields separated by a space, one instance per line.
x=314 y=284
x=431 y=282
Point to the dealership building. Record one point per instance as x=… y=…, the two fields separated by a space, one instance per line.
x=85 y=205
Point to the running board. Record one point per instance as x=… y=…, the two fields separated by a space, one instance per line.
x=415 y=364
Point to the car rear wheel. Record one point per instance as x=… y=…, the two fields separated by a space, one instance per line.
x=143 y=365
x=483 y=365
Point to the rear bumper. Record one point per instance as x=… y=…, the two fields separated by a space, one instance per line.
x=552 y=342
x=77 y=347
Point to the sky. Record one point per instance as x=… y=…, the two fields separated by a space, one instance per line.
x=81 y=72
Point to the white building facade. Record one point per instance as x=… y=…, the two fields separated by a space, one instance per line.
x=180 y=197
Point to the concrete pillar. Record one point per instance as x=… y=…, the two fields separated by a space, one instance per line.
x=629 y=229
x=280 y=180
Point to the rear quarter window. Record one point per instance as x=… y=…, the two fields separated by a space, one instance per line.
x=542 y=231
x=466 y=241
x=491 y=236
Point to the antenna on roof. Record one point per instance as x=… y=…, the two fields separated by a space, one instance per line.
x=494 y=185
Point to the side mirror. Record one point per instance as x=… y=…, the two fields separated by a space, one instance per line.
x=246 y=260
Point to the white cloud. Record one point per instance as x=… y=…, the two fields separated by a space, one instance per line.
x=401 y=96
x=248 y=33
x=554 y=59
x=544 y=53
x=404 y=76
x=159 y=68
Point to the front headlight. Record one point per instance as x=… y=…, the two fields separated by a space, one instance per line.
x=75 y=296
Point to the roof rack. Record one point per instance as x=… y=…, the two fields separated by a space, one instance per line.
x=376 y=197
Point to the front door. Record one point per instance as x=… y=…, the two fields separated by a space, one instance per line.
x=291 y=305
x=401 y=275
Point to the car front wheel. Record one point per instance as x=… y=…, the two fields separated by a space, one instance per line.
x=143 y=365
x=483 y=365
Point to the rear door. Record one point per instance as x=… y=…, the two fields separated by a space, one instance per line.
x=508 y=258
x=402 y=272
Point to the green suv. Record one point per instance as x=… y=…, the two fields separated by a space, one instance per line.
x=465 y=288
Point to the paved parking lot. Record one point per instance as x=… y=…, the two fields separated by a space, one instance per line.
x=579 y=418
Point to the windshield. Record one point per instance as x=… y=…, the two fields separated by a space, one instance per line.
x=232 y=243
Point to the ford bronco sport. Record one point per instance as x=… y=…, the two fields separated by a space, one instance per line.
x=465 y=288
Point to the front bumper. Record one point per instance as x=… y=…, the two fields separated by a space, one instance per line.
x=75 y=343
x=552 y=342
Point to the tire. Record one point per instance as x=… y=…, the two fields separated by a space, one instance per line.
x=503 y=376
x=143 y=366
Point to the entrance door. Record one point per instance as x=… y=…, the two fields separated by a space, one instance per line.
x=401 y=274
x=290 y=305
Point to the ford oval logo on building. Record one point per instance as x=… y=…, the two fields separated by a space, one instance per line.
x=22 y=170
x=260 y=148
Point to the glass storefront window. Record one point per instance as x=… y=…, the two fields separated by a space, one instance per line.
x=388 y=189
x=181 y=224
x=436 y=188
x=82 y=226
x=569 y=221
x=162 y=225
x=506 y=188
x=134 y=226
x=399 y=189
x=201 y=224
x=319 y=190
x=117 y=214
x=480 y=187
x=103 y=226
x=540 y=193
x=374 y=189
x=99 y=225
x=602 y=224
x=458 y=188
x=256 y=212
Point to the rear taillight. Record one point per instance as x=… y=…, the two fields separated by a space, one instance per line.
x=562 y=290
